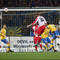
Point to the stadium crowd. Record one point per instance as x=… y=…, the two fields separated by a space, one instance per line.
x=29 y=3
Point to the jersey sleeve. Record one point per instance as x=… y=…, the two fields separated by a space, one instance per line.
x=2 y=32
x=36 y=20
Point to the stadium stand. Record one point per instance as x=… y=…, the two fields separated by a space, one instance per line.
x=29 y=3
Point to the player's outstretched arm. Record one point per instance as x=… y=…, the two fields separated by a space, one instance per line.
x=29 y=25
x=35 y=22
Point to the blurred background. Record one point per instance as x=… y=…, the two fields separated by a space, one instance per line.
x=29 y=3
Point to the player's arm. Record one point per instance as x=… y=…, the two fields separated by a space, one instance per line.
x=29 y=25
x=36 y=20
x=2 y=33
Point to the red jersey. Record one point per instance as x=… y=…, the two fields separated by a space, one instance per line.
x=35 y=28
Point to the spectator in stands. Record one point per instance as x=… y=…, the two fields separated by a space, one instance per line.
x=29 y=3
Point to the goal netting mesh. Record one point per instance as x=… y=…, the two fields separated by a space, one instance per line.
x=18 y=19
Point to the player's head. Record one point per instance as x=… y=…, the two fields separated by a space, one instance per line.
x=4 y=26
x=36 y=15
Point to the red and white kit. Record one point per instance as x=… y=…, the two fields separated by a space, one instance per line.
x=41 y=24
x=35 y=28
x=37 y=39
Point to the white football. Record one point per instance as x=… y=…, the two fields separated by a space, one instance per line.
x=6 y=9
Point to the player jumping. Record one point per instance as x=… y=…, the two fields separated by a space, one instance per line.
x=41 y=25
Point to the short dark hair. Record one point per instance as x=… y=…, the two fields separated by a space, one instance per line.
x=47 y=22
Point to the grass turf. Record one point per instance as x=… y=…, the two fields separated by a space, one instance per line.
x=30 y=56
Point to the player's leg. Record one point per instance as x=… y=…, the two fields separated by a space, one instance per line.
x=8 y=44
x=48 y=41
x=41 y=46
x=38 y=33
x=52 y=45
x=35 y=42
x=39 y=42
x=45 y=42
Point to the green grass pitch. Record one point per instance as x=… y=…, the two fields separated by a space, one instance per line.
x=30 y=56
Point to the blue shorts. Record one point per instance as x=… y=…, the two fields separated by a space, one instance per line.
x=5 y=41
x=53 y=35
x=46 y=40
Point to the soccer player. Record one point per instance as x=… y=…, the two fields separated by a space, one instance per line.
x=41 y=23
x=53 y=35
x=45 y=38
x=3 y=37
x=37 y=39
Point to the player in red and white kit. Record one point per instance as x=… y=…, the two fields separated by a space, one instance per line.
x=41 y=23
x=37 y=39
x=41 y=26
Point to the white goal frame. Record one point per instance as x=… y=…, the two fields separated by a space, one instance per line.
x=31 y=9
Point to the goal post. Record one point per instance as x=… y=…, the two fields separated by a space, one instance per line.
x=0 y=20
x=31 y=9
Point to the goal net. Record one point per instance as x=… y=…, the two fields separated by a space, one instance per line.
x=18 y=19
